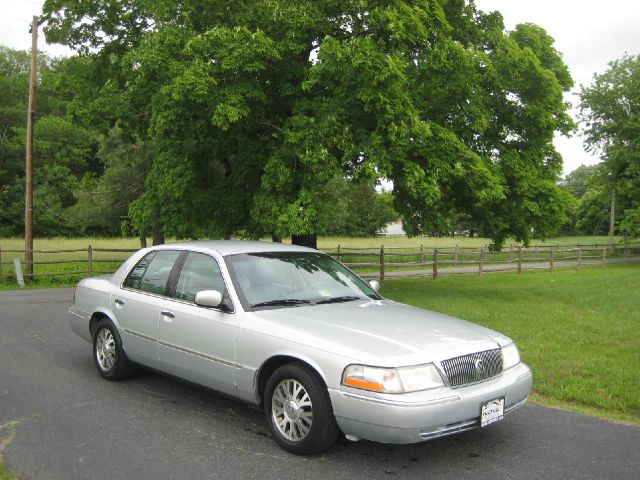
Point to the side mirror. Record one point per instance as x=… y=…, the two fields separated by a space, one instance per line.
x=208 y=298
x=375 y=285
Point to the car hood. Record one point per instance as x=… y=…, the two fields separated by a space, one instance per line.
x=375 y=331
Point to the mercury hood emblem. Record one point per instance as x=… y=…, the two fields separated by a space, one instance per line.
x=479 y=364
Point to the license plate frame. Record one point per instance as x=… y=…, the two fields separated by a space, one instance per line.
x=491 y=411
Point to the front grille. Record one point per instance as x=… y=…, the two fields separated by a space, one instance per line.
x=473 y=368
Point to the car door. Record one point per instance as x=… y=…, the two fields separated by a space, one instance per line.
x=198 y=343
x=139 y=304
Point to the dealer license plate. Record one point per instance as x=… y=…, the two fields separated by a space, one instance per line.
x=491 y=411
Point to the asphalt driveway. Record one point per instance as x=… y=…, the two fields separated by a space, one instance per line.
x=60 y=420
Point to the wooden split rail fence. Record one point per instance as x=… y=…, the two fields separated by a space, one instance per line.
x=392 y=262
x=380 y=262
x=91 y=264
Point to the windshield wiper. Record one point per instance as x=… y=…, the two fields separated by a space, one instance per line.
x=282 y=302
x=345 y=298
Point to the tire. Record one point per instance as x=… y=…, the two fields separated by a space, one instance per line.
x=298 y=410
x=111 y=361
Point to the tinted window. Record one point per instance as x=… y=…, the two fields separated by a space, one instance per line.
x=200 y=272
x=134 y=278
x=155 y=277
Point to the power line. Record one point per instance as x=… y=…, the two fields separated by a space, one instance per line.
x=25 y=22
x=39 y=4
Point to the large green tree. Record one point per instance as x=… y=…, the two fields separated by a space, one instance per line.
x=611 y=116
x=103 y=201
x=258 y=108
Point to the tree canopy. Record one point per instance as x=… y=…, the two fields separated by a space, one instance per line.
x=65 y=153
x=256 y=109
x=589 y=194
x=611 y=115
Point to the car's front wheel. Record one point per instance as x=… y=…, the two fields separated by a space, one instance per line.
x=110 y=359
x=298 y=410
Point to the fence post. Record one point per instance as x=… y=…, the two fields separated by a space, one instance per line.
x=519 y=259
x=604 y=256
x=421 y=253
x=89 y=261
x=481 y=264
x=339 y=256
x=455 y=256
x=625 y=254
x=381 y=262
x=26 y=273
x=553 y=252
x=579 y=257
x=435 y=264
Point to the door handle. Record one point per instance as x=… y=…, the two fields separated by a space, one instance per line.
x=167 y=313
x=119 y=301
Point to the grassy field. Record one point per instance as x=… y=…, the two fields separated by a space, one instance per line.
x=430 y=242
x=323 y=242
x=578 y=331
x=109 y=261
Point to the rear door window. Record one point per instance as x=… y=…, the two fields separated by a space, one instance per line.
x=134 y=278
x=156 y=272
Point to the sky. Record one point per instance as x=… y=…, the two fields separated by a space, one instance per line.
x=589 y=34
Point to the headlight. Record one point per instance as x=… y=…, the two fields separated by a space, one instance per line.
x=510 y=356
x=392 y=380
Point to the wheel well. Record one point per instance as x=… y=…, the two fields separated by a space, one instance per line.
x=274 y=363
x=93 y=323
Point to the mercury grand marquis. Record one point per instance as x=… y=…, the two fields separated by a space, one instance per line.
x=292 y=331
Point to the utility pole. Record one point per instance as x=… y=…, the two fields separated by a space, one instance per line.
x=612 y=220
x=28 y=192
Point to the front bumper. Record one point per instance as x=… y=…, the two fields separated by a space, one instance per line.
x=411 y=418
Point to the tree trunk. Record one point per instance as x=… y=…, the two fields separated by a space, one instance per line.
x=143 y=240
x=158 y=236
x=310 y=241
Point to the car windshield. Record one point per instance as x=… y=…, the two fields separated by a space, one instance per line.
x=289 y=279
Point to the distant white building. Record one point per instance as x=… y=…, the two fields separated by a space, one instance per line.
x=393 y=230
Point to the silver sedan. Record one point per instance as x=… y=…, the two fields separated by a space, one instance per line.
x=294 y=332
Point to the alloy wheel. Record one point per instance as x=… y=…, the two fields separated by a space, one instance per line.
x=105 y=349
x=292 y=410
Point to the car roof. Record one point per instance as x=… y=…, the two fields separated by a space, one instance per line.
x=233 y=247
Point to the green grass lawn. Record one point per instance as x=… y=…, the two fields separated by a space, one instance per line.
x=578 y=331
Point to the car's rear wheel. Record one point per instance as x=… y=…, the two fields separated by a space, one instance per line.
x=111 y=361
x=298 y=410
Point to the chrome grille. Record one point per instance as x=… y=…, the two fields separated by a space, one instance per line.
x=473 y=368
